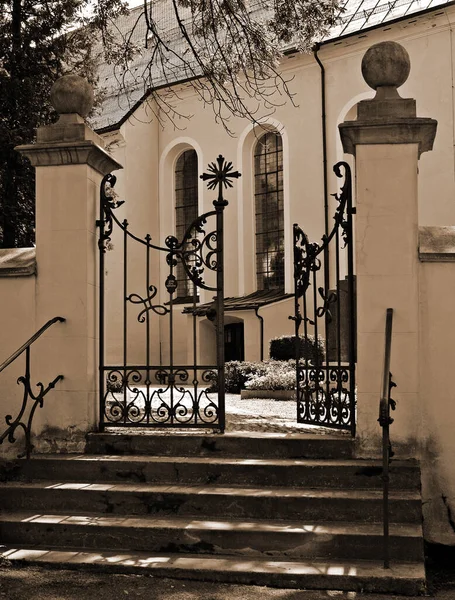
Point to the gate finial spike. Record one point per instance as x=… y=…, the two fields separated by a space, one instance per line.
x=220 y=175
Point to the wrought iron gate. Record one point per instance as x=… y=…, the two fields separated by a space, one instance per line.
x=151 y=394
x=324 y=319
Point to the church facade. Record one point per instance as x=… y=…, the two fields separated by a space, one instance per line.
x=286 y=164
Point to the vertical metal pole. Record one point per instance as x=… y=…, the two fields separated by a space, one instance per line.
x=384 y=421
x=101 y=389
x=195 y=372
x=385 y=490
x=261 y=332
x=220 y=174
x=125 y=319
x=338 y=329
x=147 y=407
x=297 y=318
x=351 y=302
x=28 y=431
x=219 y=206
x=171 y=377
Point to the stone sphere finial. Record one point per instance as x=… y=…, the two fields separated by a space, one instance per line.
x=72 y=94
x=386 y=64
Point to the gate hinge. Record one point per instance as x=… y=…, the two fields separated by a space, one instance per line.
x=97 y=223
x=353 y=210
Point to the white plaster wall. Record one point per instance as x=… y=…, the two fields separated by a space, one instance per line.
x=437 y=352
x=17 y=324
x=277 y=322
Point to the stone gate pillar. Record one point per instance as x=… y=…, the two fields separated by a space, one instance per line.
x=387 y=140
x=70 y=162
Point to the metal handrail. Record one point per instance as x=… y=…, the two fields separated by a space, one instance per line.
x=29 y=342
x=38 y=398
x=385 y=404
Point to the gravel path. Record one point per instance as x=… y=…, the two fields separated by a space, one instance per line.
x=273 y=416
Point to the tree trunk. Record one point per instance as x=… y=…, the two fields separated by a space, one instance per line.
x=10 y=200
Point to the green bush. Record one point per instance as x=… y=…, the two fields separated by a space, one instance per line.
x=237 y=373
x=276 y=375
x=113 y=385
x=283 y=348
x=267 y=375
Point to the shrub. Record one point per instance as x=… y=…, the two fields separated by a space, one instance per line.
x=267 y=375
x=276 y=375
x=283 y=348
x=236 y=373
x=113 y=385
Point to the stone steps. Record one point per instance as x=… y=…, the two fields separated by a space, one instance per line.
x=295 y=511
x=314 y=473
x=214 y=501
x=346 y=575
x=248 y=538
x=238 y=444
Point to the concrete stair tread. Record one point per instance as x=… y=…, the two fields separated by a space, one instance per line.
x=206 y=460
x=275 y=491
x=204 y=443
x=189 y=523
x=402 y=577
x=151 y=432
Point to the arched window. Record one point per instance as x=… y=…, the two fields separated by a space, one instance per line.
x=268 y=194
x=186 y=210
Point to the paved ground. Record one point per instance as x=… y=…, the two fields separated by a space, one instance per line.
x=30 y=583
x=273 y=416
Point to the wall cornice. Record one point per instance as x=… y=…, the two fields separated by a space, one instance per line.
x=419 y=131
x=69 y=153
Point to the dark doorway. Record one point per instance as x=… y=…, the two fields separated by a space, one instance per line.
x=234 y=342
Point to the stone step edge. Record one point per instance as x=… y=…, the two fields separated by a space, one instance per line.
x=28 y=518
x=366 y=576
x=171 y=433
x=209 y=489
x=203 y=460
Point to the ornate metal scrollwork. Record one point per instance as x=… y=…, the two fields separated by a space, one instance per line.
x=109 y=203
x=30 y=400
x=326 y=391
x=159 y=309
x=342 y=197
x=323 y=399
x=199 y=250
x=169 y=395
x=324 y=310
x=132 y=399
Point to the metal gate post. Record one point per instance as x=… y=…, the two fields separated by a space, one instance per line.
x=220 y=175
x=219 y=207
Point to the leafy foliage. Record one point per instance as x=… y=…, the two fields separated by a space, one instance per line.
x=40 y=40
x=283 y=348
x=276 y=375
x=266 y=375
x=228 y=50
x=237 y=374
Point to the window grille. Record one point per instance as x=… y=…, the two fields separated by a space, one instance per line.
x=186 y=211
x=269 y=208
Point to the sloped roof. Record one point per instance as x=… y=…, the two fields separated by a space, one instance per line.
x=249 y=302
x=363 y=14
x=357 y=16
